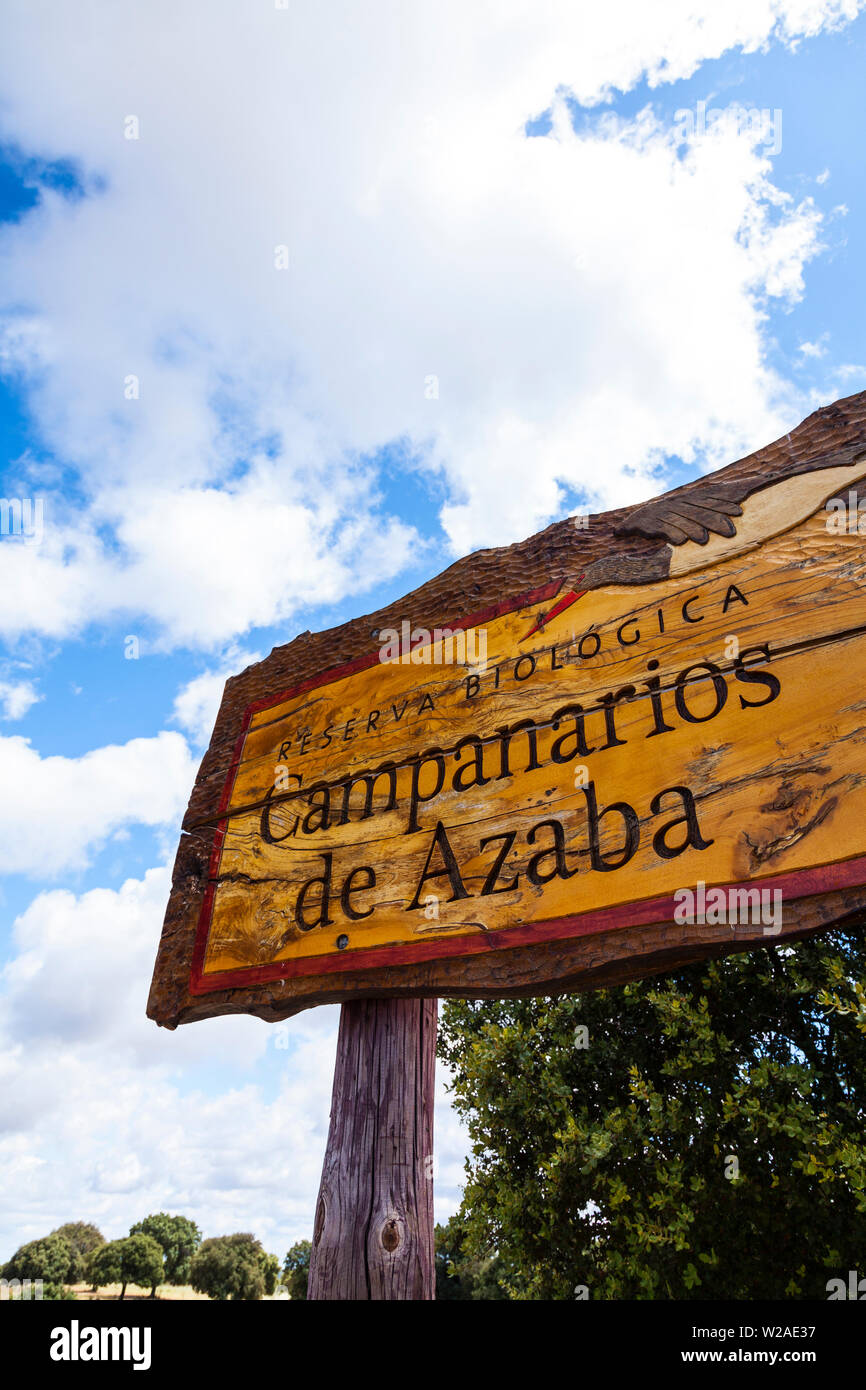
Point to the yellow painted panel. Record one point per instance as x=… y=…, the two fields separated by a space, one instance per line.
x=766 y=747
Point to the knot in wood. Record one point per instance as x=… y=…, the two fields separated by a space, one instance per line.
x=390 y=1236
x=319 y=1224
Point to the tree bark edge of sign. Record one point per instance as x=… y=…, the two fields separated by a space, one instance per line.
x=631 y=546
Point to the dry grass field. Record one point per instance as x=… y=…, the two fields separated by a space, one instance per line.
x=165 y=1293
x=133 y=1292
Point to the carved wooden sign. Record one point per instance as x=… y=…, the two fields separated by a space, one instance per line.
x=632 y=741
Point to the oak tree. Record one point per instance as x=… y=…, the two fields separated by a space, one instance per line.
x=692 y=1136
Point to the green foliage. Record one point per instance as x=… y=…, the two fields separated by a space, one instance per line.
x=177 y=1237
x=610 y=1166
x=83 y=1238
x=137 y=1259
x=296 y=1269
x=271 y=1273
x=232 y=1267
x=57 y=1259
x=460 y=1274
x=47 y=1259
x=103 y=1265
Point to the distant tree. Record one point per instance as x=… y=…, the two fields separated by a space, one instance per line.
x=58 y=1292
x=178 y=1238
x=47 y=1259
x=271 y=1272
x=103 y=1265
x=232 y=1267
x=83 y=1239
x=135 y=1260
x=459 y=1274
x=296 y=1269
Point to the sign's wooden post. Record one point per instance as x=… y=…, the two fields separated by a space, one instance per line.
x=373 y=1234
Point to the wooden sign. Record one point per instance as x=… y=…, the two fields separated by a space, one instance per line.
x=630 y=742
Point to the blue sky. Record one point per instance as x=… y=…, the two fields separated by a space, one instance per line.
x=606 y=313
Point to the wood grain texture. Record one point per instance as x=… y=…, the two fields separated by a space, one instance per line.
x=617 y=552
x=373 y=1231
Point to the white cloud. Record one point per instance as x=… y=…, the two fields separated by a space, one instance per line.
x=104 y=1117
x=814 y=349
x=17 y=697
x=558 y=287
x=196 y=703
x=63 y=809
x=202 y=564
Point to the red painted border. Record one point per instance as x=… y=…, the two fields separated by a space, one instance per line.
x=804 y=882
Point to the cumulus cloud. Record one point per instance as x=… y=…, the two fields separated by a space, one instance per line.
x=196 y=703
x=225 y=414
x=115 y=1116
x=16 y=698
x=200 y=564
x=818 y=349
x=104 y=1117
x=64 y=809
